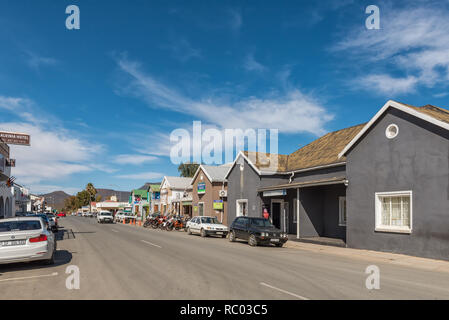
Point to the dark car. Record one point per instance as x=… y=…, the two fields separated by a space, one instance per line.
x=256 y=231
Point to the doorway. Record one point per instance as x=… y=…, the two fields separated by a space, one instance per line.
x=276 y=208
x=201 y=209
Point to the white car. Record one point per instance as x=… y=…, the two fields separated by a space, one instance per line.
x=123 y=216
x=24 y=239
x=105 y=217
x=207 y=226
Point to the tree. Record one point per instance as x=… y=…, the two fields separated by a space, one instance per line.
x=98 y=198
x=188 y=169
x=90 y=189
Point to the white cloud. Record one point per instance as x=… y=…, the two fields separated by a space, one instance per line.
x=412 y=40
x=35 y=61
x=251 y=64
x=141 y=176
x=133 y=159
x=54 y=154
x=290 y=112
x=182 y=50
x=387 y=84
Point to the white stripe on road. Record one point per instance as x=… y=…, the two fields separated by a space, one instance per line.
x=284 y=291
x=32 y=277
x=114 y=230
x=151 y=244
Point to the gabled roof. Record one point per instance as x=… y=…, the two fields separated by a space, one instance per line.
x=324 y=150
x=140 y=192
x=429 y=113
x=155 y=187
x=177 y=182
x=213 y=173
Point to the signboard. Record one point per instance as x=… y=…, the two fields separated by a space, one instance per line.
x=218 y=204
x=10 y=162
x=274 y=193
x=15 y=138
x=201 y=187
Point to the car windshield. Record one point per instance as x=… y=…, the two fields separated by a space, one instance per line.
x=212 y=220
x=20 y=225
x=261 y=223
x=105 y=213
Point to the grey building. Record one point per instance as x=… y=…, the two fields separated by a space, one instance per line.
x=383 y=185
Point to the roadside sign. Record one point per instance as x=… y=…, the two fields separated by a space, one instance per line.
x=21 y=139
x=201 y=187
x=218 y=204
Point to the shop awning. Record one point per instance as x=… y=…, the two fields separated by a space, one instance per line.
x=304 y=184
x=186 y=203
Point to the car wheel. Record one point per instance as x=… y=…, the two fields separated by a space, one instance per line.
x=232 y=236
x=279 y=245
x=252 y=241
x=189 y=231
x=203 y=233
x=51 y=260
x=224 y=236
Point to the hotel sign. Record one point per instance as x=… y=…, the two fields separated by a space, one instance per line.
x=274 y=193
x=21 y=139
x=201 y=188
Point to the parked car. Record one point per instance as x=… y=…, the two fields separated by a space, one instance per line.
x=61 y=214
x=206 y=226
x=124 y=216
x=53 y=221
x=24 y=239
x=105 y=217
x=89 y=214
x=49 y=223
x=256 y=231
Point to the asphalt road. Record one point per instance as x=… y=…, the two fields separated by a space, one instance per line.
x=124 y=262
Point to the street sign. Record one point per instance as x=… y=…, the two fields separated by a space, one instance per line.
x=21 y=139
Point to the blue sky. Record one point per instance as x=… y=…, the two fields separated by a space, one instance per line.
x=101 y=102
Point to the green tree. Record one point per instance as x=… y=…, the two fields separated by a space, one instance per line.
x=90 y=189
x=188 y=169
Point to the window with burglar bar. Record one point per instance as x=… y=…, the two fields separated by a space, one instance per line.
x=394 y=211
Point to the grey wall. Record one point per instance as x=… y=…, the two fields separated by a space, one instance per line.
x=251 y=182
x=418 y=160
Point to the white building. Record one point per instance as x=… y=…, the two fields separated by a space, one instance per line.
x=6 y=196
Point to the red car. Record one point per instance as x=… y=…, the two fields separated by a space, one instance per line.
x=61 y=214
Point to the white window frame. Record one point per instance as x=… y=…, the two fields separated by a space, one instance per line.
x=237 y=207
x=341 y=222
x=200 y=204
x=378 y=206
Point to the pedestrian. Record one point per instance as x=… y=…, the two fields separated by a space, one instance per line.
x=266 y=215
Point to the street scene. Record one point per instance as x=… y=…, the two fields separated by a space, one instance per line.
x=224 y=151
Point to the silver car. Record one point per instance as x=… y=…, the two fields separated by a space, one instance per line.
x=24 y=239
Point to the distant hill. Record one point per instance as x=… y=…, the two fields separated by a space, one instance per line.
x=55 y=199
x=122 y=196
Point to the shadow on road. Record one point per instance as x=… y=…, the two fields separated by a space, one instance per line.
x=62 y=257
x=64 y=234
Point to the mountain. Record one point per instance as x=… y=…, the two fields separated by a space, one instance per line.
x=122 y=196
x=55 y=199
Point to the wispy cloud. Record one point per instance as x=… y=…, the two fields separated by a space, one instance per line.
x=36 y=61
x=144 y=176
x=291 y=112
x=235 y=19
x=55 y=153
x=413 y=40
x=134 y=159
x=182 y=50
x=251 y=64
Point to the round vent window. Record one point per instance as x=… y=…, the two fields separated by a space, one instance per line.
x=392 y=131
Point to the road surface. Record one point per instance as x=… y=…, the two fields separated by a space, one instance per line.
x=125 y=262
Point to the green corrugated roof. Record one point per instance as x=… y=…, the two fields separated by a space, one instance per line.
x=141 y=193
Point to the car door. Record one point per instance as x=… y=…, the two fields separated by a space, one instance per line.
x=244 y=229
x=238 y=228
x=192 y=224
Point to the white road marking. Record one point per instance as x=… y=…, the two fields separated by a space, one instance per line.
x=114 y=230
x=32 y=277
x=284 y=291
x=151 y=244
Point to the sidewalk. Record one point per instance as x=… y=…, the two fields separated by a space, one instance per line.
x=392 y=258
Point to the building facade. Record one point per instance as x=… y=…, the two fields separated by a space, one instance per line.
x=209 y=192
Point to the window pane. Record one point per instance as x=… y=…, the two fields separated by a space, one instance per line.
x=396 y=219
x=406 y=211
x=385 y=211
